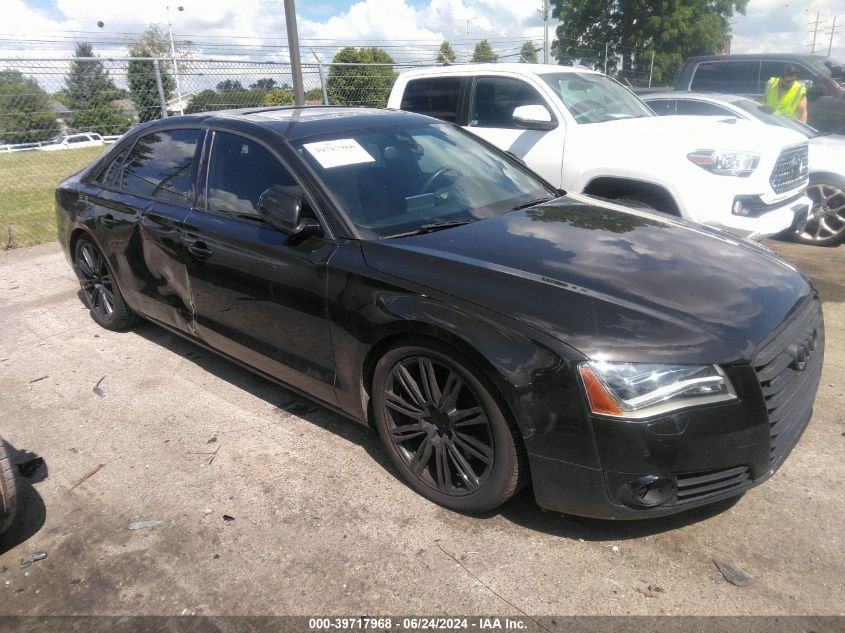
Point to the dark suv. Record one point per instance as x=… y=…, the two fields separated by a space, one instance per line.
x=747 y=75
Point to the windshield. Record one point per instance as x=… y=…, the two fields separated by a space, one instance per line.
x=595 y=98
x=766 y=116
x=400 y=178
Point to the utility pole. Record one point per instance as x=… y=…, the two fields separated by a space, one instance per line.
x=293 y=46
x=832 y=31
x=545 y=31
x=173 y=55
x=545 y=13
x=815 y=26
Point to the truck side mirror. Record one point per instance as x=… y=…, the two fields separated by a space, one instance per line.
x=533 y=117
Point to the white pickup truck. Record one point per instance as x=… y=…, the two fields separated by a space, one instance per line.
x=584 y=132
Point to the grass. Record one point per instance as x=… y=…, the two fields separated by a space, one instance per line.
x=27 y=184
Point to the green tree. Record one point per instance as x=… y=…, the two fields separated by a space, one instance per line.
x=632 y=29
x=446 y=54
x=228 y=85
x=484 y=53
x=141 y=75
x=264 y=84
x=201 y=102
x=528 y=55
x=89 y=92
x=25 y=113
x=315 y=94
x=360 y=85
x=278 y=97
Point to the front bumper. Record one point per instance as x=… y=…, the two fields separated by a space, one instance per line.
x=702 y=455
x=766 y=220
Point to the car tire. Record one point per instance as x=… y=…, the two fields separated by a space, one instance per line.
x=443 y=428
x=100 y=293
x=826 y=223
x=8 y=489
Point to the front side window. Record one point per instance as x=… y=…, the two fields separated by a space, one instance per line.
x=434 y=96
x=738 y=77
x=241 y=170
x=77 y=139
x=594 y=98
x=399 y=178
x=161 y=165
x=495 y=98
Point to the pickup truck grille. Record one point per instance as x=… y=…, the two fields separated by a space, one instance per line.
x=789 y=367
x=791 y=168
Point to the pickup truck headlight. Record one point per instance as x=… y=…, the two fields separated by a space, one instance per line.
x=726 y=163
x=641 y=390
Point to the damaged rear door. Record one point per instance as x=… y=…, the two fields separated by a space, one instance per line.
x=159 y=177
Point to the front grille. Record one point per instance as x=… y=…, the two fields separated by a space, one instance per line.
x=789 y=367
x=696 y=486
x=791 y=168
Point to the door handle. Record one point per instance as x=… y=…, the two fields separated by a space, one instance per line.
x=109 y=220
x=199 y=250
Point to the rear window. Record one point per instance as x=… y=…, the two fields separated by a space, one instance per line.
x=726 y=76
x=435 y=96
x=161 y=164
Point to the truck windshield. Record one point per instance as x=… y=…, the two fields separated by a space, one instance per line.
x=595 y=98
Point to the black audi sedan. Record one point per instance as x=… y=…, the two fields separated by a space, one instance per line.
x=495 y=332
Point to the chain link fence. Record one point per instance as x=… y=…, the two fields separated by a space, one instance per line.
x=56 y=115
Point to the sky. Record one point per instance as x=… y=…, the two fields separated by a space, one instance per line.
x=409 y=29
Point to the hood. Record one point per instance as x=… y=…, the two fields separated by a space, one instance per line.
x=612 y=283
x=698 y=132
x=827 y=153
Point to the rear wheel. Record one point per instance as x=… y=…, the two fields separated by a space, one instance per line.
x=100 y=293
x=8 y=489
x=443 y=429
x=825 y=226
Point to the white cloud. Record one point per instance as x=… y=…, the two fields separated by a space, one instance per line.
x=784 y=26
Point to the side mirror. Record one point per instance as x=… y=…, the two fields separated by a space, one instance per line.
x=283 y=210
x=533 y=117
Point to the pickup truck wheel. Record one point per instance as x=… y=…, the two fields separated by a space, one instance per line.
x=825 y=226
x=8 y=489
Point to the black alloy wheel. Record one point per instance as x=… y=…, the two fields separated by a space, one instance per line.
x=444 y=430
x=99 y=291
x=825 y=225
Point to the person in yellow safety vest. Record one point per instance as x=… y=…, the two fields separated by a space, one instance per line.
x=786 y=96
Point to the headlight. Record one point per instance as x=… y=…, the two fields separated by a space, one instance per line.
x=641 y=390
x=728 y=163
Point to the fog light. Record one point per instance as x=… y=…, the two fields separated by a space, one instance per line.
x=739 y=208
x=647 y=491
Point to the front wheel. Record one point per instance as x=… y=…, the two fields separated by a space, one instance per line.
x=443 y=429
x=825 y=226
x=8 y=490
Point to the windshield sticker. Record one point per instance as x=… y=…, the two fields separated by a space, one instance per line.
x=343 y=151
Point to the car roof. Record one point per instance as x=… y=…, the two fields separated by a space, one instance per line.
x=294 y=122
x=785 y=57
x=522 y=69
x=716 y=97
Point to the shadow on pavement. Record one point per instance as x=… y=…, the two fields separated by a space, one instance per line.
x=521 y=510
x=31 y=511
